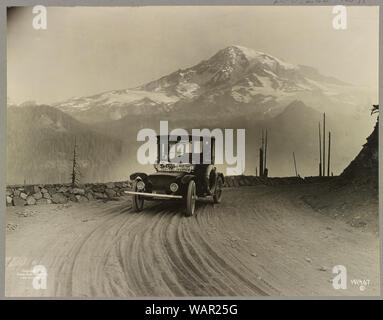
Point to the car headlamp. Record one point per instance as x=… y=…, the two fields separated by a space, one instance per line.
x=173 y=187
x=140 y=185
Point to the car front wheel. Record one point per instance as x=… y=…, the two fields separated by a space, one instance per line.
x=190 y=198
x=137 y=201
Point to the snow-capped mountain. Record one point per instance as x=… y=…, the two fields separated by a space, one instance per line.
x=235 y=88
x=235 y=80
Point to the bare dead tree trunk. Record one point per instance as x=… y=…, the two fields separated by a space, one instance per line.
x=295 y=165
x=320 y=151
x=260 y=162
x=264 y=166
x=261 y=155
x=324 y=144
x=329 y=147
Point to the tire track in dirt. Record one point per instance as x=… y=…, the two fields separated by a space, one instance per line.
x=126 y=255
x=254 y=243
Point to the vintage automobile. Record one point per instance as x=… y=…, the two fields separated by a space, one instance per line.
x=187 y=180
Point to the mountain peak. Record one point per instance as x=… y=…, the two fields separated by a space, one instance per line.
x=236 y=51
x=248 y=52
x=255 y=56
x=297 y=109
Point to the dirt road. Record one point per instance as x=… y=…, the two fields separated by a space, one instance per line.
x=259 y=241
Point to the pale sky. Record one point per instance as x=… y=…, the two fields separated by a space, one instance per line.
x=88 y=50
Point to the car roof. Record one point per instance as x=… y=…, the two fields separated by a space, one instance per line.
x=190 y=137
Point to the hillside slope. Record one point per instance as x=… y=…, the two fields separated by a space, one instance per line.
x=365 y=166
x=295 y=129
x=354 y=195
x=40 y=142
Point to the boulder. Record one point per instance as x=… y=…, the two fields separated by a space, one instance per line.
x=36 y=189
x=241 y=182
x=28 y=189
x=17 y=193
x=78 y=191
x=43 y=190
x=99 y=195
x=31 y=200
x=46 y=195
x=51 y=190
x=99 y=188
x=249 y=181
x=49 y=201
x=9 y=200
x=110 y=185
x=62 y=189
x=18 y=201
x=59 y=197
x=72 y=197
x=89 y=196
x=82 y=199
x=110 y=193
x=37 y=195
x=23 y=195
x=8 y=192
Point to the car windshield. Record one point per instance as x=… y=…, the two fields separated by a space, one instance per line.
x=178 y=149
x=183 y=151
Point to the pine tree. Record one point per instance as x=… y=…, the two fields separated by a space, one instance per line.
x=75 y=176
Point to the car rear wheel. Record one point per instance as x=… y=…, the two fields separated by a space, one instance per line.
x=190 y=198
x=218 y=191
x=210 y=179
x=137 y=201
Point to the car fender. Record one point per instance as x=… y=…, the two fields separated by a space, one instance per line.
x=186 y=178
x=139 y=175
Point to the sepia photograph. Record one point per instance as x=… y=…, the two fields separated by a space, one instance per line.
x=192 y=151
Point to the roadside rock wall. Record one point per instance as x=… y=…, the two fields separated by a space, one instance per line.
x=21 y=195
